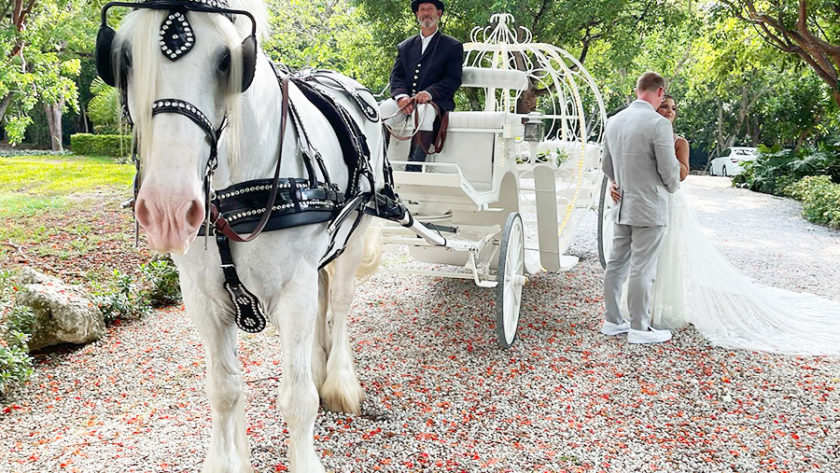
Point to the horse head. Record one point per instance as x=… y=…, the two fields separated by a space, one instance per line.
x=182 y=66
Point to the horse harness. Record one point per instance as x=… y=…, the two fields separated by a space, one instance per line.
x=276 y=203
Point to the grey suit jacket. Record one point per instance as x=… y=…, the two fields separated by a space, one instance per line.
x=639 y=156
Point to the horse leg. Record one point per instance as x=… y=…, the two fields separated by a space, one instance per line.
x=298 y=397
x=229 y=451
x=320 y=346
x=341 y=391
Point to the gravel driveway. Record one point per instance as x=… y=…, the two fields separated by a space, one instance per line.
x=442 y=397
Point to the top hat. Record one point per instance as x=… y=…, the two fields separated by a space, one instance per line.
x=415 y=4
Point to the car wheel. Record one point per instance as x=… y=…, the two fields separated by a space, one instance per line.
x=724 y=172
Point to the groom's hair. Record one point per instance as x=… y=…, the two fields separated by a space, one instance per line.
x=650 y=82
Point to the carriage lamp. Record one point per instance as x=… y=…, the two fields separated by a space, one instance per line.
x=534 y=127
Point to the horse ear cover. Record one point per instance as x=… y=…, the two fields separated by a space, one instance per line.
x=104 y=62
x=249 y=61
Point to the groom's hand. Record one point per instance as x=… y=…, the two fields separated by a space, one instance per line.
x=615 y=193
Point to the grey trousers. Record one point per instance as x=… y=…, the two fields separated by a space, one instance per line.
x=635 y=251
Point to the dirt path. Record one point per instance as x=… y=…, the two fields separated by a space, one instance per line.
x=442 y=397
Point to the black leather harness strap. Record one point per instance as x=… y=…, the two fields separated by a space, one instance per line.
x=219 y=222
x=249 y=314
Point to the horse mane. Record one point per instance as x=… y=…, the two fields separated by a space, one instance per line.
x=141 y=28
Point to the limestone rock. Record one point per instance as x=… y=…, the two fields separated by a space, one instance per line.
x=63 y=313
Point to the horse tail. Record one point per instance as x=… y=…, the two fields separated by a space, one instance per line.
x=372 y=252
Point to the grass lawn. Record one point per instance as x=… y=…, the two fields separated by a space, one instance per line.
x=32 y=184
x=62 y=215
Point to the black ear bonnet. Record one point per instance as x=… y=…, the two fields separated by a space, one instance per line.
x=176 y=36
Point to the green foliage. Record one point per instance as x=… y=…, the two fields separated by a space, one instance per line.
x=103 y=109
x=820 y=199
x=101 y=145
x=5 y=153
x=162 y=285
x=328 y=34
x=122 y=301
x=776 y=169
x=16 y=326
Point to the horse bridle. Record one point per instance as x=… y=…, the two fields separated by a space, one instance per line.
x=177 y=18
x=212 y=214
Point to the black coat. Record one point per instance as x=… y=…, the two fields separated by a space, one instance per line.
x=437 y=71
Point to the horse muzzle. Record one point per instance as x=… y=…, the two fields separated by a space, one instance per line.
x=170 y=219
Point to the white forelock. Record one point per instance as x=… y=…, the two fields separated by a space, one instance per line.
x=141 y=28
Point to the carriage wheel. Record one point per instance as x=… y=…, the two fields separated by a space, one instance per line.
x=606 y=226
x=510 y=280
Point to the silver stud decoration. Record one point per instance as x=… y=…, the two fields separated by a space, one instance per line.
x=176 y=36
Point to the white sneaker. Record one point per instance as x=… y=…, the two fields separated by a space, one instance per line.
x=610 y=328
x=648 y=336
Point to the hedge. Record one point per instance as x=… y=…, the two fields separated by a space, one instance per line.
x=101 y=145
x=820 y=199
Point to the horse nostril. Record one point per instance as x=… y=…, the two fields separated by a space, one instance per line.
x=195 y=214
x=142 y=213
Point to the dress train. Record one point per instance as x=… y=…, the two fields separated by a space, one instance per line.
x=696 y=284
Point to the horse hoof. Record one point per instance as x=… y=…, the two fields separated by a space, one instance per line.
x=346 y=397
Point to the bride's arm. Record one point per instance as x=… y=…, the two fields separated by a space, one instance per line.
x=681 y=145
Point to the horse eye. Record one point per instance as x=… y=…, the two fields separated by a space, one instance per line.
x=224 y=64
x=124 y=65
x=125 y=58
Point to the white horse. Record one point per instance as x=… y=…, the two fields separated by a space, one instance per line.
x=279 y=267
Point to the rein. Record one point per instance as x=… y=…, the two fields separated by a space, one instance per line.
x=440 y=139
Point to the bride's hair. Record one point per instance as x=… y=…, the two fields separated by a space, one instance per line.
x=666 y=97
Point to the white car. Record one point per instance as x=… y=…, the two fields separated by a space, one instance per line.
x=729 y=162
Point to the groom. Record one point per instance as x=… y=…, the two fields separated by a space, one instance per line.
x=639 y=158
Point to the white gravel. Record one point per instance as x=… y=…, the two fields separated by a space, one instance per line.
x=442 y=397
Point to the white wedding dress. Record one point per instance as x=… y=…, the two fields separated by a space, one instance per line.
x=696 y=284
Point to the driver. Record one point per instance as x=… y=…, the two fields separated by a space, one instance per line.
x=427 y=70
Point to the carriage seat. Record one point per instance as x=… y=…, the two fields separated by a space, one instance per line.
x=494 y=78
x=473 y=137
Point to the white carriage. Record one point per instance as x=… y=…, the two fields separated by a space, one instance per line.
x=501 y=200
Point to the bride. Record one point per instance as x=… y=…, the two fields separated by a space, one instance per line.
x=697 y=285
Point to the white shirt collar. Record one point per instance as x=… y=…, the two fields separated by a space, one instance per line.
x=642 y=103
x=425 y=40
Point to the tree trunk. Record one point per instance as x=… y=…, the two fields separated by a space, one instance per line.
x=719 y=140
x=84 y=116
x=4 y=104
x=53 y=112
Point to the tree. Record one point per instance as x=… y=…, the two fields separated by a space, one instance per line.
x=41 y=48
x=739 y=91
x=608 y=29
x=807 y=29
x=326 y=34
